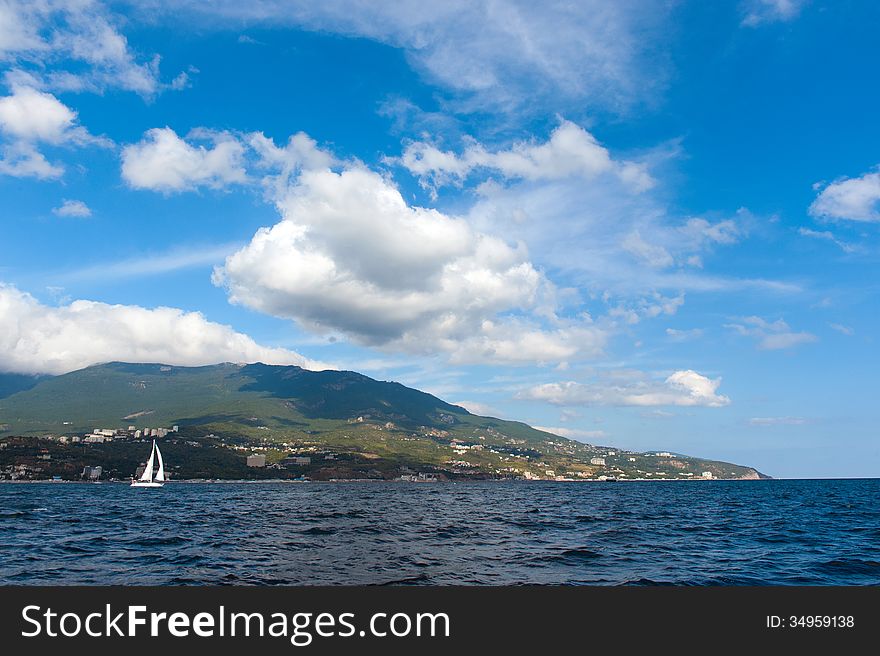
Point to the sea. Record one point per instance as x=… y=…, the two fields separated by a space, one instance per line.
x=766 y=532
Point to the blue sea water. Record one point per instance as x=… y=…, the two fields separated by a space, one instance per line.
x=689 y=533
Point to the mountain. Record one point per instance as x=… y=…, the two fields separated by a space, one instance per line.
x=12 y=383
x=350 y=425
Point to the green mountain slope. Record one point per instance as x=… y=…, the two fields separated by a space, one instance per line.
x=360 y=426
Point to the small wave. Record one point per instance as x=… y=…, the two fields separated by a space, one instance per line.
x=581 y=554
x=12 y=514
x=159 y=541
x=850 y=566
x=317 y=530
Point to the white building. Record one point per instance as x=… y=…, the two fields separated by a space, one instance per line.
x=597 y=461
x=707 y=474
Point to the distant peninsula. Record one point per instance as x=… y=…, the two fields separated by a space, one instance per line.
x=257 y=421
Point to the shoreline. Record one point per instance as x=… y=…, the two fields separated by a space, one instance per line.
x=275 y=481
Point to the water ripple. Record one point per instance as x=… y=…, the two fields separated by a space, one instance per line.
x=720 y=533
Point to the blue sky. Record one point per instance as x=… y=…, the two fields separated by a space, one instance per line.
x=647 y=225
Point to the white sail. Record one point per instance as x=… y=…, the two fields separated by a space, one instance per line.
x=148 y=470
x=160 y=474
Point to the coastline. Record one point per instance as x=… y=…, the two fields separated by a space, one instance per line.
x=374 y=480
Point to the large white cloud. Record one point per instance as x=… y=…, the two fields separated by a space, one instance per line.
x=570 y=152
x=507 y=54
x=162 y=161
x=35 y=115
x=351 y=255
x=36 y=338
x=29 y=117
x=681 y=388
x=42 y=39
x=853 y=199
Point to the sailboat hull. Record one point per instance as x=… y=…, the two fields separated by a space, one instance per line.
x=146 y=484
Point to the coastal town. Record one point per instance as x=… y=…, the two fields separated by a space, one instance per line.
x=43 y=458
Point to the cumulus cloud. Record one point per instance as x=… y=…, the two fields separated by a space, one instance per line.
x=282 y=164
x=681 y=388
x=72 y=208
x=34 y=115
x=771 y=335
x=761 y=12
x=852 y=199
x=36 y=338
x=505 y=54
x=162 y=161
x=570 y=152
x=23 y=160
x=351 y=255
x=71 y=45
x=29 y=117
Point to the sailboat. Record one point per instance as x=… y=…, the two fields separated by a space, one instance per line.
x=146 y=479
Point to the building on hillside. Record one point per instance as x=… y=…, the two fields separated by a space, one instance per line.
x=597 y=461
x=92 y=473
x=256 y=460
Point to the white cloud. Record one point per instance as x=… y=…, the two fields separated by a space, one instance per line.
x=43 y=38
x=570 y=152
x=827 y=235
x=698 y=232
x=504 y=54
x=771 y=335
x=760 y=12
x=681 y=388
x=33 y=115
x=36 y=338
x=677 y=335
x=350 y=255
x=853 y=199
x=29 y=117
x=573 y=433
x=164 y=162
x=651 y=254
x=843 y=330
x=777 y=421
x=653 y=305
x=301 y=151
x=605 y=237
x=152 y=263
x=23 y=160
x=72 y=208
x=479 y=408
